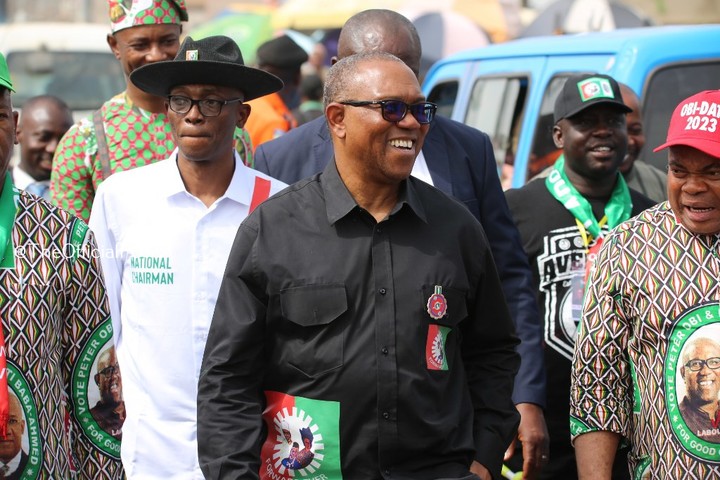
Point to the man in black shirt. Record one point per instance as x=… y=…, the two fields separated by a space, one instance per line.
x=562 y=220
x=458 y=160
x=361 y=306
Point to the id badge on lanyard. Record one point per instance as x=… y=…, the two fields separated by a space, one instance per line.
x=581 y=269
x=590 y=257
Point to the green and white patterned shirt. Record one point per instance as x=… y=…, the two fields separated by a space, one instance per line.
x=655 y=287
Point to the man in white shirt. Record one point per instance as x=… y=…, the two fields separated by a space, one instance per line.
x=43 y=122
x=165 y=232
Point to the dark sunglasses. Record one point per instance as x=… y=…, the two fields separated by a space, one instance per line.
x=395 y=110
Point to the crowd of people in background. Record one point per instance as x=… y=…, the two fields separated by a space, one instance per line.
x=300 y=269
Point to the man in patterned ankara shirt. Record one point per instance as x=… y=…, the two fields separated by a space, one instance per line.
x=55 y=322
x=652 y=295
x=136 y=129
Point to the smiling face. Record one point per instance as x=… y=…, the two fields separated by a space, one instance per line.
x=40 y=128
x=693 y=186
x=207 y=139
x=702 y=386
x=108 y=378
x=375 y=150
x=594 y=142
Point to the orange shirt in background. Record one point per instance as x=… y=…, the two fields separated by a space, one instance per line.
x=269 y=118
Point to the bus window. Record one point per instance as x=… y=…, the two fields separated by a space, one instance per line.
x=496 y=107
x=444 y=94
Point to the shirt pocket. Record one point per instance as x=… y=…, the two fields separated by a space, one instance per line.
x=315 y=342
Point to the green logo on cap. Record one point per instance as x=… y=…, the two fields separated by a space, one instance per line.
x=594 y=87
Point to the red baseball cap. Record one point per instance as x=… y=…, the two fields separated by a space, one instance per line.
x=696 y=123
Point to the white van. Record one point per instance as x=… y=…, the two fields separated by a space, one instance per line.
x=69 y=60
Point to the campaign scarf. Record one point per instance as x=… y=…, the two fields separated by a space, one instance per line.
x=8 y=210
x=617 y=210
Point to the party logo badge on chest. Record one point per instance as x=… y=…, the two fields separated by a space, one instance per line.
x=436 y=304
x=435 y=356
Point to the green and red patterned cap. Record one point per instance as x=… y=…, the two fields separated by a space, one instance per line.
x=134 y=13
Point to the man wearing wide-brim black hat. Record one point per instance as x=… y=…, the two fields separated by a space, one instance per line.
x=170 y=227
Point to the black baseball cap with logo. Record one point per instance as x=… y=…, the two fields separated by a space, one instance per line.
x=587 y=90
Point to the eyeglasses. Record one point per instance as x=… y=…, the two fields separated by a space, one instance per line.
x=110 y=370
x=395 y=110
x=209 y=107
x=696 y=365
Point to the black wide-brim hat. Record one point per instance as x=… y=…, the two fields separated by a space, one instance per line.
x=215 y=60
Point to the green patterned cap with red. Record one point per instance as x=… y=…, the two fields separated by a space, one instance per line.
x=134 y=13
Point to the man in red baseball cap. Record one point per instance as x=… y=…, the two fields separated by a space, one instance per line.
x=652 y=293
x=693 y=144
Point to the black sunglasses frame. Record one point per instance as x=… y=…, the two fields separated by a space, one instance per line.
x=424 y=112
x=702 y=363
x=201 y=103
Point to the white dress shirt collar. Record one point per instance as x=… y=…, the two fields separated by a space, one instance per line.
x=240 y=189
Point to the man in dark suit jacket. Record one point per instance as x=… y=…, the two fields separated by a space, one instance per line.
x=17 y=474
x=461 y=163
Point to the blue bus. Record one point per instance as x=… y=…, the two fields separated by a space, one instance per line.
x=508 y=90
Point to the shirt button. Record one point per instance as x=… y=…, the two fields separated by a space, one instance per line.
x=384 y=350
x=386 y=415
x=382 y=291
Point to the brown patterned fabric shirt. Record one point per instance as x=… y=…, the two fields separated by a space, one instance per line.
x=654 y=290
x=56 y=324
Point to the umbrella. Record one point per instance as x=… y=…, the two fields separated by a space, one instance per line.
x=575 y=16
x=443 y=33
x=306 y=42
x=322 y=14
x=249 y=29
x=500 y=18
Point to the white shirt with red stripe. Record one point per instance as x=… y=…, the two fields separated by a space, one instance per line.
x=163 y=257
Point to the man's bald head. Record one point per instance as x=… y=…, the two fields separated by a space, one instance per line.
x=383 y=31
